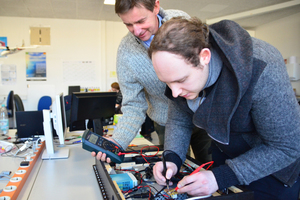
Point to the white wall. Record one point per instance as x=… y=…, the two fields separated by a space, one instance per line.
x=71 y=40
x=284 y=34
x=97 y=41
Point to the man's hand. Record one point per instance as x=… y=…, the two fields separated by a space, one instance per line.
x=158 y=172
x=198 y=184
x=102 y=156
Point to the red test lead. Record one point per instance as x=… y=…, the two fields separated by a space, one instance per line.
x=199 y=168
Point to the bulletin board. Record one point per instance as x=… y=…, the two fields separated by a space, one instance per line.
x=78 y=71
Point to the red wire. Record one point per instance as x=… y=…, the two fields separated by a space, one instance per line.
x=149 y=191
x=149 y=155
x=138 y=187
x=119 y=154
x=141 y=153
x=200 y=167
x=210 y=162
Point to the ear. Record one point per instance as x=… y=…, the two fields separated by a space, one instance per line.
x=205 y=56
x=156 y=7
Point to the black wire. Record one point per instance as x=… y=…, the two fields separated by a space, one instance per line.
x=153 y=187
x=159 y=192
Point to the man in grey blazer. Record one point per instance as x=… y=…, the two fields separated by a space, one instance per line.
x=142 y=91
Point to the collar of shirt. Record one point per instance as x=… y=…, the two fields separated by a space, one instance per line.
x=215 y=67
x=148 y=42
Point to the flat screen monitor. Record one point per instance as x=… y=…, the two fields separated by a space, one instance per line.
x=58 y=115
x=95 y=106
x=74 y=88
x=30 y=124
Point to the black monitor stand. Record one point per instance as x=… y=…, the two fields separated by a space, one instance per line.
x=97 y=126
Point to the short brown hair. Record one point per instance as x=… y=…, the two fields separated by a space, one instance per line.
x=115 y=85
x=180 y=36
x=123 y=6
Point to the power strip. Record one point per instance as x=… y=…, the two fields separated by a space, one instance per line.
x=14 y=186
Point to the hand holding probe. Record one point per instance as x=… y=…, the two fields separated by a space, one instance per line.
x=198 y=169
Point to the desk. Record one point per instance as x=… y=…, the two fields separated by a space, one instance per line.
x=60 y=179
x=71 y=178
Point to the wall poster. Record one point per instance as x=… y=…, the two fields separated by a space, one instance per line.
x=36 y=66
x=3 y=43
x=8 y=74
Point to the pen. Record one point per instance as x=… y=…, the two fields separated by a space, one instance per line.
x=76 y=142
x=198 y=169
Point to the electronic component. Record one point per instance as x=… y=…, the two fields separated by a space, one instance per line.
x=94 y=142
x=172 y=193
x=24 y=163
x=125 y=181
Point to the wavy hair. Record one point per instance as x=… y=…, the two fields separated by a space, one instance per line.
x=180 y=36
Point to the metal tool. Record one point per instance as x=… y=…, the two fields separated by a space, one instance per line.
x=165 y=172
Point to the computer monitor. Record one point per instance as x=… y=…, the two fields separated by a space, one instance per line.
x=58 y=116
x=30 y=125
x=74 y=88
x=95 y=106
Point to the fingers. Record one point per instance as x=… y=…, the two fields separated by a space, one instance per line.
x=183 y=185
x=188 y=185
x=169 y=173
x=199 y=184
x=108 y=160
x=157 y=172
x=102 y=157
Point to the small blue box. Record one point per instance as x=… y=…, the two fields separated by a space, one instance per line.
x=125 y=181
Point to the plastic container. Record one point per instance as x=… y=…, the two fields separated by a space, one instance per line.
x=3 y=120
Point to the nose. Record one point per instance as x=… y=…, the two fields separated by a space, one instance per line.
x=136 y=30
x=176 y=91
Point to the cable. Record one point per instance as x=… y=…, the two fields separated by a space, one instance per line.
x=160 y=191
x=199 y=168
x=26 y=145
x=141 y=153
x=141 y=195
x=35 y=144
x=5 y=175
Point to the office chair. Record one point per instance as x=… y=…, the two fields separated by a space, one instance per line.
x=18 y=103
x=45 y=103
x=10 y=104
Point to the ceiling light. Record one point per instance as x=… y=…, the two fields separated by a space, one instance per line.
x=109 y=2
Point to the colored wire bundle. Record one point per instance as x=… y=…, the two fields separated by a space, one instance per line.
x=141 y=153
